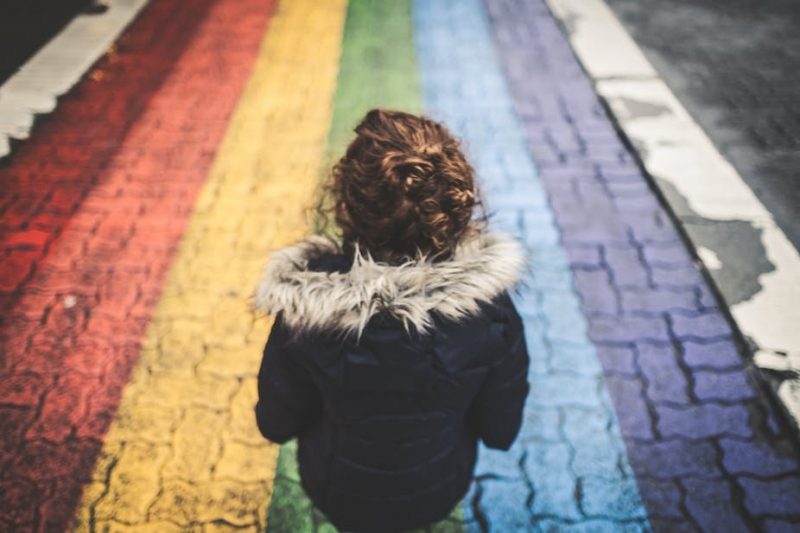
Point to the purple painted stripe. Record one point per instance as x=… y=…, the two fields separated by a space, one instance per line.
x=567 y=471
x=697 y=431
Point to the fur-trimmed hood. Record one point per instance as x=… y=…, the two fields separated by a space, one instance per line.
x=482 y=267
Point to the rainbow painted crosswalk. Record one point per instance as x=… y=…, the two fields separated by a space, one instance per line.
x=137 y=219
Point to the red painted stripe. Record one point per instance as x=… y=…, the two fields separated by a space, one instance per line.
x=93 y=207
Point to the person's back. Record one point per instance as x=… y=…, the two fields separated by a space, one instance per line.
x=393 y=353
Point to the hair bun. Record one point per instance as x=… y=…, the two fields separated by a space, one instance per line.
x=403 y=187
x=407 y=171
x=430 y=150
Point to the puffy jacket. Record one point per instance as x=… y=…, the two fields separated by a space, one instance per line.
x=389 y=375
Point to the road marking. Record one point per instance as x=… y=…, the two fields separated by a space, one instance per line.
x=675 y=149
x=58 y=66
x=184 y=449
x=377 y=69
x=569 y=462
x=112 y=177
x=709 y=258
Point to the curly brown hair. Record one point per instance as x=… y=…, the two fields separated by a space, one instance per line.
x=402 y=190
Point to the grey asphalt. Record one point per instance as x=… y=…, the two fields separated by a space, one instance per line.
x=25 y=26
x=735 y=66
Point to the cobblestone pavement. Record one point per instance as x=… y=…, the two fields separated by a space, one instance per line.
x=129 y=353
x=92 y=211
x=737 y=81
x=735 y=69
x=707 y=449
x=205 y=466
x=568 y=465
x=377 y=68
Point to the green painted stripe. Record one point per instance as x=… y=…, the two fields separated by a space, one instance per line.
x=378 y=68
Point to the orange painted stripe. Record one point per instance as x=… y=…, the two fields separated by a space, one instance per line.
x=93 y=207
x=184 y=452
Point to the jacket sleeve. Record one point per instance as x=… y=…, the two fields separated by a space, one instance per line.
x=288 y=400
x=500 y=402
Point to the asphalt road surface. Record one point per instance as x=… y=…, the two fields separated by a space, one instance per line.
x=26 y=25
x=735 y=67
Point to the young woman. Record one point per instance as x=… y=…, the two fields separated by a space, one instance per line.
x=395 y=348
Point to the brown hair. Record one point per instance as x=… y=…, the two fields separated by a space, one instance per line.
x=402 y=189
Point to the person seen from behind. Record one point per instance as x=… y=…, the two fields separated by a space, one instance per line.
x=395 y=347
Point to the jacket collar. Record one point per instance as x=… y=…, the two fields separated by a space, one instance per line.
x=482 y=267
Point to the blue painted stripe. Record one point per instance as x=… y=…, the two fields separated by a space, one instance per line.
x=568 y=469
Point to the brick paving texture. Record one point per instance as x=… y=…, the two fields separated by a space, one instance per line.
x=93 y=208
x=642 y=414
x=735 y=70
x=568 y=468
x=377 y=68
x=184 y=452
x=707 y=449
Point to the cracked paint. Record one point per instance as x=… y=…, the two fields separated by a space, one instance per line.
x=678 y=152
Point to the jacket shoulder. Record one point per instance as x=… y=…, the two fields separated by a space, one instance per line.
x=478 y=340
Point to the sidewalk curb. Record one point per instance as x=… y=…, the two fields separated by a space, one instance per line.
x=698 y=187
x=34 y=89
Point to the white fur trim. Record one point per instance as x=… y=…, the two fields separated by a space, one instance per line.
x=481 y=268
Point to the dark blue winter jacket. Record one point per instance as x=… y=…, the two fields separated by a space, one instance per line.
x=389 y=375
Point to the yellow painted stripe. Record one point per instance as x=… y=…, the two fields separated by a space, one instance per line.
x=184 y=452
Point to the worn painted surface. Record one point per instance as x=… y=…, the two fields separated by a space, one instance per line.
x=184 y=451
x=93 y=209
x=683 y=395
x=707 y=190
x=568 y=467
x=735 y=70
x=60 y=64
x=642 y=414
x=377 y=68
